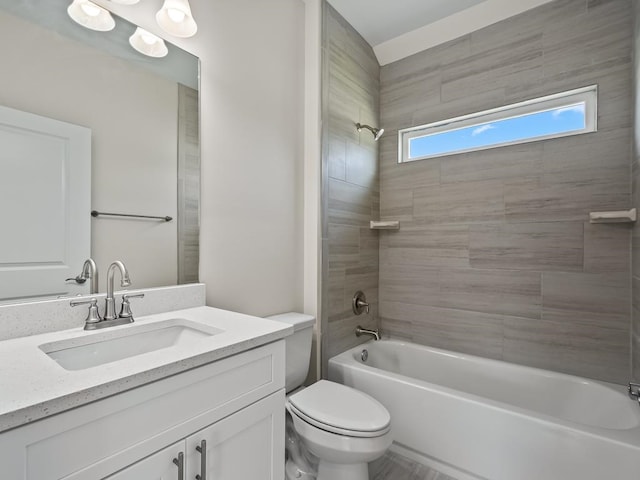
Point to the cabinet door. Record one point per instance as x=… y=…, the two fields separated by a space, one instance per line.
x=246 y=445
x=159 y=466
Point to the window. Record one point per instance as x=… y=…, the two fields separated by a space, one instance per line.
x=559 y=115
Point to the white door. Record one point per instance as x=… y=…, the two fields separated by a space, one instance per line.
x=45 y=204
x=246 y=445
x=163 y=465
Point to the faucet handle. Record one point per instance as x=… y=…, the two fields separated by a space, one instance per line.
x=359 y=303
x=125 y=310
x=93 y=316
x=80 y=279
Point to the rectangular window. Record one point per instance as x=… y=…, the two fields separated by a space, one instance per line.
x=559 y=115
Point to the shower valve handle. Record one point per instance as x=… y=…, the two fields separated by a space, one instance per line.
x=359 y=303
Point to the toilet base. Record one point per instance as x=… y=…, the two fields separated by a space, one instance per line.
x=336 y=471
x=293 y=472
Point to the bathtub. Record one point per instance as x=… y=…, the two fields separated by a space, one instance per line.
x=475 y=418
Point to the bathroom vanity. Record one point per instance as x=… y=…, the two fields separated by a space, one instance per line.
x=203 y=400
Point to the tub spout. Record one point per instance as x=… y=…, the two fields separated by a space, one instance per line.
x=634 y=391
x=365 y=331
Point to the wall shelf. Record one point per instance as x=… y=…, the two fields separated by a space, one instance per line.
x=624 y=216
x=386 y=225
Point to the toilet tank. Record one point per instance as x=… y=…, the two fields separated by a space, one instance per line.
x=298 y=347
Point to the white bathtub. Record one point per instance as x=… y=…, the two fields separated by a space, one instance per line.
x=475 y=418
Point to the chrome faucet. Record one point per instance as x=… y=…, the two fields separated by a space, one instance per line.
x=365 y=331
x=90 y=272
x=125 y=281
x=93 y=320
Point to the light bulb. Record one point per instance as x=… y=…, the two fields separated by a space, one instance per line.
x=90 y=15
x=176 y=15
x=147 y=43
x=148 y=38
x=176 y=19
x=90 y=9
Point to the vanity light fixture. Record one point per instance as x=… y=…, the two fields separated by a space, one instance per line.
x=176 y=19
x=91 y=16
x=148 y=44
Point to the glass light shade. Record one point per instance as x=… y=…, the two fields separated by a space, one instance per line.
x=125 y=2
x=90 y=15
x=148 y=44
x=176 y=19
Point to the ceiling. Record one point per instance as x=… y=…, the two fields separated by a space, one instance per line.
x=379 y=21
x=399 y=28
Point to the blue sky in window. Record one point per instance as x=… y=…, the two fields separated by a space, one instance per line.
x=539 y=124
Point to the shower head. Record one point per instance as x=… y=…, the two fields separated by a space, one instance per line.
x=377 y=132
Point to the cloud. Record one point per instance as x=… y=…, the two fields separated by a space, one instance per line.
x=482 y=129
x=579 y=108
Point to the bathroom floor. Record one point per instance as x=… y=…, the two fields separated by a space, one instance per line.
x=396 y=467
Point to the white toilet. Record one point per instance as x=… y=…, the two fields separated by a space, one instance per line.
x=343 y=427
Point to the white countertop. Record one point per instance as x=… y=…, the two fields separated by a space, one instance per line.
x=33 y=386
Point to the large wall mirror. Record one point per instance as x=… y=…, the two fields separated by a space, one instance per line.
x=137 y=125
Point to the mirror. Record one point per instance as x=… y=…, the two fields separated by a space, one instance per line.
x=142 y=116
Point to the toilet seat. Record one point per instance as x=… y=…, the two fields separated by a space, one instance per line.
x=341 y=410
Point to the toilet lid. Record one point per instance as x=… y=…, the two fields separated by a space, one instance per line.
x=341 y=409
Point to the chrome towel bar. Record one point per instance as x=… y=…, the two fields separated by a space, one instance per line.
x=95 y=213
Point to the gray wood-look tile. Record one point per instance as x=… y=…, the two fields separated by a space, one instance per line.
x=335 y=281
x=497 y=163
x=635 y=330
x=336 y=158
x=534 y=200
x=497 y=292
x=462 y=202
x=341 y=332
x=607 y=248
x=587 y=349
x=188 y=169
x=596 y=293
x=405 y=176
x=392 y=466
x=397 y=329
x=523 y=60
x=427 y=245
x=414 y=284
x=459 y=330
x=344 y=245
x=635 y=190
x=361 y=166
x=495 y=246
x=396 y=204
x=349 y=204
x=350 y=186
x=527 y=246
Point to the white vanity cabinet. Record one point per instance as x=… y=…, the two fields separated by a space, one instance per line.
x=236 y=405
x=162 y=465
x=237 y=447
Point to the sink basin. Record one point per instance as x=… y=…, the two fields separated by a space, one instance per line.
x=110 y=346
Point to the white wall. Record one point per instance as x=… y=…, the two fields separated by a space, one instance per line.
x=252 y=78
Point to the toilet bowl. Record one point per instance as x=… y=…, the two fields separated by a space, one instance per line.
x=344 y=428
x=341 y=427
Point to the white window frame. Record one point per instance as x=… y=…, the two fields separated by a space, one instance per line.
x=587 y=95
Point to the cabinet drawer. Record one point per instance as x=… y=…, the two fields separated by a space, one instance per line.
x=95 y=440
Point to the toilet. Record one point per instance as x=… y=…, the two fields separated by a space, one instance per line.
x=341 y=426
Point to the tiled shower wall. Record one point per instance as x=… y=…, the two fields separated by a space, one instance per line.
x=635 y=175
x=350 y=182
x=496 y=255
